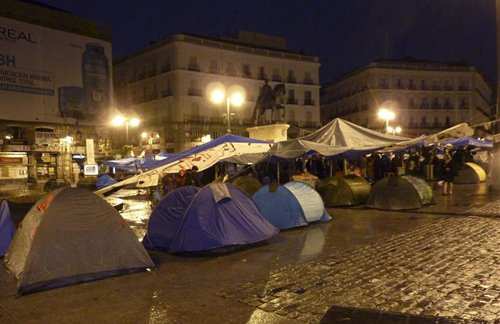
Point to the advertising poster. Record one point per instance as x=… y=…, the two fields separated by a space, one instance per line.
x=47 y=74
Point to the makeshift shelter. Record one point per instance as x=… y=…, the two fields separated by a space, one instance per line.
x=191 y=219
x=203 y=157
x=470 y=173
x=71 y=236
x=292 y=205
x=400 y=192
x=247 y=183
x=344 y=191
x=7 y=229
x=128 y=165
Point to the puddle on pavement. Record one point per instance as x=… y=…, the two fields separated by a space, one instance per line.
x=137 y=207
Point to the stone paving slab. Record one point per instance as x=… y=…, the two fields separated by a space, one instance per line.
x=448 y=269
x=490 y=209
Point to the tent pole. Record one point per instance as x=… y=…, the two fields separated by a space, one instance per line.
x=216 y=175
x=278 y=172
x=331 y=167
x=290 y=173
x=344 y=164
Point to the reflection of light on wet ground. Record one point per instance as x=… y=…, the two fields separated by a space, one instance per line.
x=314 y=243
x=136 y=210
x=158 y=313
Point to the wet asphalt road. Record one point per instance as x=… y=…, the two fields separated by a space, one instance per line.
x=209 y=289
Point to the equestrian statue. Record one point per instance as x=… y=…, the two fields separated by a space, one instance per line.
x=269 y=98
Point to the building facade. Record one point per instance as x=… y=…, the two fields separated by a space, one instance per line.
x=425 y=96
x=55 y=88
x=167 y=84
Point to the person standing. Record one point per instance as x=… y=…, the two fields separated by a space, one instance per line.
x=448 y=174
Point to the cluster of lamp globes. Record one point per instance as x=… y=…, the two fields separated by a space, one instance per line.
x=389 y=115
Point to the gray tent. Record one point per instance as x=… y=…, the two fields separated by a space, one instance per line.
x=400 y=192
x=70 y=236
x=248 y=184
x=347 y=191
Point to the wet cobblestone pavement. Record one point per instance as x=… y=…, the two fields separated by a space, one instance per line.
x=490 y=209
x=449 y=269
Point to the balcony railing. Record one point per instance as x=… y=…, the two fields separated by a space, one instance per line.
x=196 y=119
x=153 y=96
x=293 y=123
x=194 y=67
x=309 y=124
x=151 y=73
x=448 y=88
x=463 y=107
x=424 y=87
x=132 y=79
x=246 y=74
x=435 y=106
x=292 y=101
x=166 y=68
x=216 y=119
x=437 y=125
x=261 y=76
x=276 y=78
x=383 y=86
x=308 y=102
x=448 y=106
x=436 y=87
x=231 y=72
x=139 y=100
x=463 y=88
x=141 y=76
x=424 y=106
x=214 y=70
x=291 y=79
x=308 y=81
x=166 y=93
x=194 y=92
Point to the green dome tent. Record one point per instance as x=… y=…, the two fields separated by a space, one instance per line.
x=344 y=191
x=470 y=173
x=70 y=236
x=400 y=192
x=248 y=184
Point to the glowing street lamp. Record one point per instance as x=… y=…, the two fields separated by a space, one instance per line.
x=386 y=115
x=120 y=120
x=235 y=96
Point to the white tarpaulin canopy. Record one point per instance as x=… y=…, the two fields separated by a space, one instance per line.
x=336 y=137
x=203 y=157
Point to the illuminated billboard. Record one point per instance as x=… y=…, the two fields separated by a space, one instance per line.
x=48 y=75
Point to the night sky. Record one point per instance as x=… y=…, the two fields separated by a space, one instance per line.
x=344 y=34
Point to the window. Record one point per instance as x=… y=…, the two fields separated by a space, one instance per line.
x=447 y=122
x=19 y=132
x=291 y=77
x=307 y=78
x=193 y=88
x=291 y=97
x=262 y=73
x=230 y=69
x=276 y=75
x=214 y=67
x=383 y=83
x=410 y=84
x=308 y=98
x=193 y=64
x=245 y=71
x=423 y=122
x=166 y=67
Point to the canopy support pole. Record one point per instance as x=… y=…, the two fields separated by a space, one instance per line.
x=278 y=172
x=331 y=167
x=344 y=162
x=216 y=173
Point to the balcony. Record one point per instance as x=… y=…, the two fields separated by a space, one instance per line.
x=310 y=124
x=194 y=67
x=214 y=70
x=261 y=76
x=248 y=122
x=309 y=81
x=412 y=87
x=291 y=79
x=463 y=88
x=293 y=123
x=216 y=119
x=194 y=92
x=139 y=100
x=292 y=101
x=383 y=86
x=141 y=76
x=277 y=78
x=246 y=74
x=463 y=107
x=435 y=106
x=424 y=87
x=166 y=93
x=437 y=125
x=448 y=88
x=151 y=73
x=436 y=87
x=231 y=72
x=132 y=79
x=424 y=106
x=448 y=106
x=166 y=68
x=308 y=102
x=364 y=107
x=196 y=119
x=153 y=96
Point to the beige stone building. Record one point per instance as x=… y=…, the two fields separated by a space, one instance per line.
x=425 y=96
x=165 y=85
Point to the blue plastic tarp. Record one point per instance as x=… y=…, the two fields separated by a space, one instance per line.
x=127 y=164
x=280 y=207
x=216 y=142
x=220 y=215
x=105 y=180
x=7 y=229
x=167 y=217
x=469 y=141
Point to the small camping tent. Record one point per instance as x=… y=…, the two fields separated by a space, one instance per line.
x=400 y=192
x=292 y=205
x=70 y=236
x=7 y=229
x=248 y=184
x=344 y=191
x=104 y=180
x=191 y=219
x=470 y=173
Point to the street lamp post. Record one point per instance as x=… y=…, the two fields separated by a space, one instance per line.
x=386 y=115
x=234 y=96
x=119 y=120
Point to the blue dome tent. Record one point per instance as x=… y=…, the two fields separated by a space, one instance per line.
x=105 y=180
x=191 y=219
x=7 y=229
x=292 y=205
